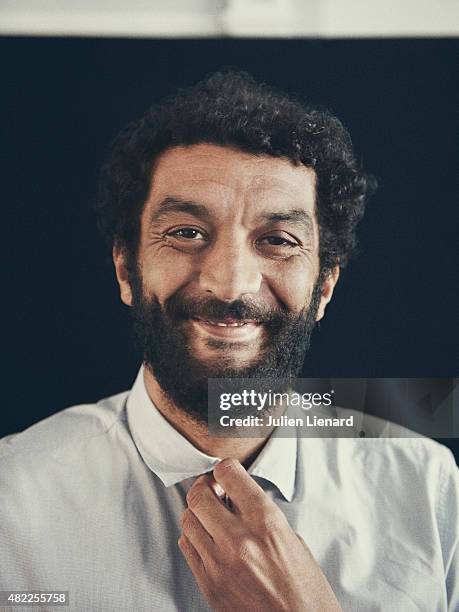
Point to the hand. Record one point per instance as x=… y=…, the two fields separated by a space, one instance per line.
x=248 y=557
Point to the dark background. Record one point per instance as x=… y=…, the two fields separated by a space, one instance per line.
x=66 y=333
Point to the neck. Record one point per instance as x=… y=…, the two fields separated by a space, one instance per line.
x=245 y=450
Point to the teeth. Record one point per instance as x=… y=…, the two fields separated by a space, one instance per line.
x=239 y=324
x=227 y=324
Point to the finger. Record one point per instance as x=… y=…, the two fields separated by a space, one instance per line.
x=220 y=492
x=192 y=557
x=302 y=541
x=213 y=515
x=241 y=488
x=194 y=531
x=195 y=564
x=305 y=546
x=217 y=489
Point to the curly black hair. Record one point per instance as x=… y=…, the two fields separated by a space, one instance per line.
x=232 y=109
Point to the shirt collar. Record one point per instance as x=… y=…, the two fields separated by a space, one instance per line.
x=173 y=458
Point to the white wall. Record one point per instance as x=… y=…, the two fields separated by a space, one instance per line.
x=156 y=18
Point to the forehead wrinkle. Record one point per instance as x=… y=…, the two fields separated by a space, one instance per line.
x=283 y=178
x=296 y=202
x=216 y=182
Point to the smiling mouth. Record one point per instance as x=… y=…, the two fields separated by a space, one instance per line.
x=231 y=329
x=227 y=322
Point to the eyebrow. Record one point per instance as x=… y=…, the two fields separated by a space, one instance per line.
x=172 y=204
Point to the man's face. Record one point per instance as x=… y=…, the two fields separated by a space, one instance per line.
x=228 y=263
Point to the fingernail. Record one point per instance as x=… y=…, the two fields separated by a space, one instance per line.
x=218 y=489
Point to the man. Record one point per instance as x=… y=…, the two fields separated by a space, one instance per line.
x=230 y=210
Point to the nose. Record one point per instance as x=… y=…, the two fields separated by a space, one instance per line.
x=230 y=270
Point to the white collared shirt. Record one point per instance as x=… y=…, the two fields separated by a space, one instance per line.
x=91 y=498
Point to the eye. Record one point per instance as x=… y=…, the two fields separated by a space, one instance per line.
x=187 y=233
x=277 y=243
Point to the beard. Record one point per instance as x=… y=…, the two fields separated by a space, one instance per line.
x=161 y=335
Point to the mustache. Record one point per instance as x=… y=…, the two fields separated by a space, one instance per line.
x=180 y=308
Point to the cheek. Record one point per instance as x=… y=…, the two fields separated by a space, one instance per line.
x=294 y=284
x=164 y=276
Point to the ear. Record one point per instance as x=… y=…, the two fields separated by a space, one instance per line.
x=119 y=260
x=327 y=291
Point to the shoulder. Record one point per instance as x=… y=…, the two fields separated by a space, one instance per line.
x=417 y=458
x=62 y=433
x=55 y=473
x=399 y=472
x=417 y=455
x=399 y=448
